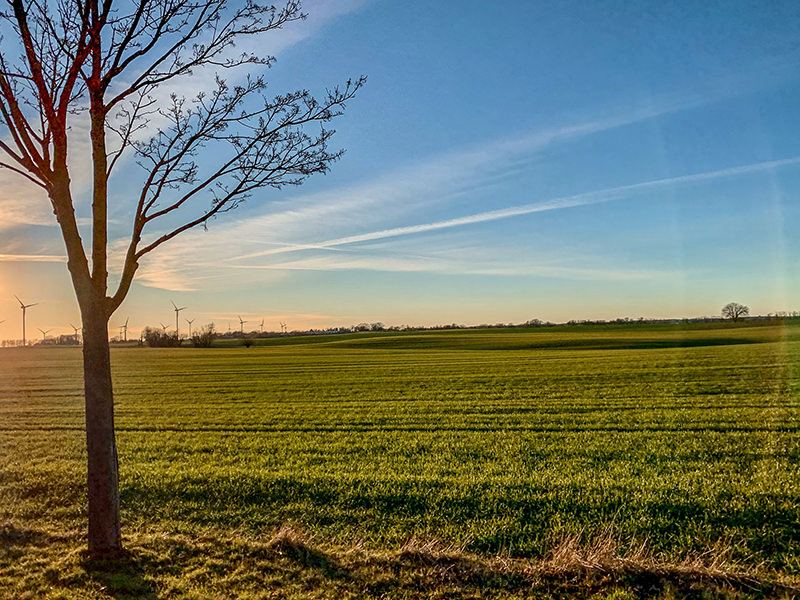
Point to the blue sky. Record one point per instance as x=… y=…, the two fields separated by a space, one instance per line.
x=538 y=160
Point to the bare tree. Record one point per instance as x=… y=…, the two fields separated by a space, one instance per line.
x=735 y=311
x=108 y=62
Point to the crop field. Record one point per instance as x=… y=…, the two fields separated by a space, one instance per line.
x=681 y=439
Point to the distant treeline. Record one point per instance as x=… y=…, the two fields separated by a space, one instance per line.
x=539 y=323
x=158 y=337
x=61 y=340
x=378 y=326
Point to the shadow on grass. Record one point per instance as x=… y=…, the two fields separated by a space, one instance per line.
x=293 y=566
x=573 y=572
x=14 y=536
x=291 y=544
x=33 y=560
x=122 y=577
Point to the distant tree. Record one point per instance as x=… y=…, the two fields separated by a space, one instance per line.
x=205 y=337
x=117 y=73
x=735 y=311
x=68 y=340
x=158 y=338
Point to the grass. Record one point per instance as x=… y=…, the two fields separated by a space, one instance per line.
x=292 y=566
x=677 y=445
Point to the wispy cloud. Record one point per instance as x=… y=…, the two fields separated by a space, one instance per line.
x=186 y=266
x=595 y=197
x=253 y=319
x=445 y=177
x=477 y=261
x=23 y=204
x=307 y=221
x=53 y=258
x=299 y=222
x=431 y=186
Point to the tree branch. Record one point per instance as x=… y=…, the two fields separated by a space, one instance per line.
x=25 y=174
x=94 y=57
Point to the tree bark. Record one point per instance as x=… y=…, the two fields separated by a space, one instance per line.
x=103 y=472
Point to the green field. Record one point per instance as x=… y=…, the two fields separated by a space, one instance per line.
x=497 y=442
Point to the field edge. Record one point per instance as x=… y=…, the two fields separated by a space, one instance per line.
x=289 y=563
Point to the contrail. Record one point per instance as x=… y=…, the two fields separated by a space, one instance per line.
x=595 y=197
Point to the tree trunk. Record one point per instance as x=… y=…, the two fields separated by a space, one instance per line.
x=103 y=475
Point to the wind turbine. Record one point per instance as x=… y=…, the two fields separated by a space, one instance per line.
x=24 y=308
x=190 y=321
x=164 y=327
x=124 y=330
x=283 y=327
x=261 y=325
x=76 y=331
x=177 y=312
x=241 y=324
x=44 y=332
